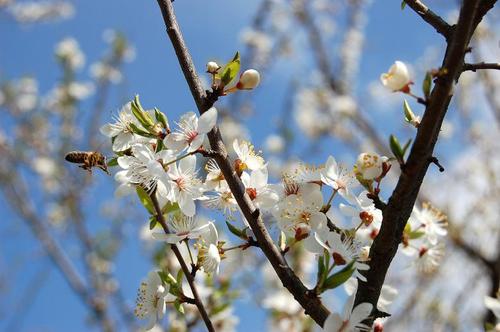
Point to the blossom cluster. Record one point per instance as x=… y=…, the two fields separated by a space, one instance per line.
x=161 y=163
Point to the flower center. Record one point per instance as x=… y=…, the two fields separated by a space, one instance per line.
x=180 y=183
x=191 y=136
x=366 y=217
x=252 y=193
x=338 y=259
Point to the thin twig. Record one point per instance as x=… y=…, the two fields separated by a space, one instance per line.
x=309 y=301
x=430 y=17
x=197 y=300
x=481 y=65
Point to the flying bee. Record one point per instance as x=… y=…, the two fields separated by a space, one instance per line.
x=88 y=159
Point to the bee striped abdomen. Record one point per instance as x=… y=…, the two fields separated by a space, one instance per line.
x=77 y=157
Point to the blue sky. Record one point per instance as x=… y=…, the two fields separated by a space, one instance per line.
x=211 y=29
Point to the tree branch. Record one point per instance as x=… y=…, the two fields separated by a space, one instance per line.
x=197 y=300
x=430 y=17
x=400 y=205
x=309 y=301
x=482 y=65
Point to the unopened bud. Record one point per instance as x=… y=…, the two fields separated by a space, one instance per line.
x=212 y=67
x=249 y=80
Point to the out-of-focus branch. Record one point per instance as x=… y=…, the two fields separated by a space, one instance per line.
x=310 y=302
x=400 y=205
x=321 y=57
x=430 y=17
x=14 y=191
x=190 y=278
x=482 y=65
x=468 y=249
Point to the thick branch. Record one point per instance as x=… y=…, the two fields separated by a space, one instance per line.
x=400 y=205
x=310 y=302
x=430 y=17
x=197 y=300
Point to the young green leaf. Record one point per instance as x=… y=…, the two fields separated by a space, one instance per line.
x=170 y=207
x=426 y=85
x=405 y=147
x=241 y=233
x=161 y=118
x=145 y=200
x=396 y=149
x=113 y=162
x=180 y=275
x=152 y=222
x=230 y=70
x=142 y=116
x=178 y=306
x=403 y=4
x=340 y=277
x=409 y=115
x=139 y=131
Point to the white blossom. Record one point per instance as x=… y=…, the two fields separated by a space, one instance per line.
x=185 y=185
x=370 y=165
x=247 y=157
x=192 y=131
x=151 y=300
x=121 y=130
x=397 y=78
x=351 y=319
x=337 y=177
x=182 y=227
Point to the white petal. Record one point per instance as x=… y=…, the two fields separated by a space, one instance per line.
x=207 y=121
x=361 y=312
x=123 y=141
x=332 y=323
x=196 y=143
x=186 y=203
x=187 y=164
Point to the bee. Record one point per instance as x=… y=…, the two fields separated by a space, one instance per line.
x=88 y=159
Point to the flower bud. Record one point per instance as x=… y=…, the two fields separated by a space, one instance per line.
x=249 y=80
x=398 y=78
x=212 y=67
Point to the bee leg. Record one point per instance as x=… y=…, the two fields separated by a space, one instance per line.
x=85 y=167
x=104 y=168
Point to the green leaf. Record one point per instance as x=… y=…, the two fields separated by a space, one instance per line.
x=145 y=200
x=161 y=118
x=426 y=85
x=152 y=223
x=403 y=4
x=178 y=306
x=142 y=116
x=396 y=148
x=139 y=131
x=230 y=70
x=405 y=147
x=415 y=235
x=241 y=233
x=180 y=275
x=113 y=162
x=340 y=277
x=409 y=115
x=159 y=145
x=170 y=207
x=219 y=308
